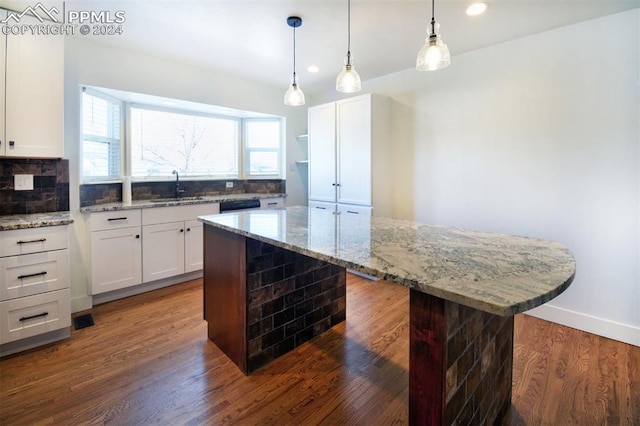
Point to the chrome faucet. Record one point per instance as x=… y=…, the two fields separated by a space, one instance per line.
x=178 y=190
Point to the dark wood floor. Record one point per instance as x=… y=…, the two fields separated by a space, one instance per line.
x=147 y=360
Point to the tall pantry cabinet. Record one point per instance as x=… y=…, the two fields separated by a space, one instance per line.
x=349 y=150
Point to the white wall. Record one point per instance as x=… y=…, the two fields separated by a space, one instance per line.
x=88 y=63
x=539 y=137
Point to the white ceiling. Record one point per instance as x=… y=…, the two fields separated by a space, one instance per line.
x=250 y=38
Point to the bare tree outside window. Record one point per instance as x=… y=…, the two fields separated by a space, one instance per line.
x=195 y=145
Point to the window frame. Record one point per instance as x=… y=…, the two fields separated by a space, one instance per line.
x=114 y=175
x=245 y=146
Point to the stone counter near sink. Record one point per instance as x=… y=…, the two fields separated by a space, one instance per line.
x=35 y=220
x=144 y=204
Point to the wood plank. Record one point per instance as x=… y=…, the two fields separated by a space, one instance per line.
x=427 y=348
x=225 y=292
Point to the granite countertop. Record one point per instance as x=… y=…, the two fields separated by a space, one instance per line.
x=35 y=220
x=166 y=202
x=497 y=273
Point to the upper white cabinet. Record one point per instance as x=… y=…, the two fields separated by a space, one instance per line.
x=3 y=57
x=349 y=149
x=31 y=111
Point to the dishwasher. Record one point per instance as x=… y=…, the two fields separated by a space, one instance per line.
x=239 y=205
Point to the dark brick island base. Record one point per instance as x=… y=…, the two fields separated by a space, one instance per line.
x=262 y=301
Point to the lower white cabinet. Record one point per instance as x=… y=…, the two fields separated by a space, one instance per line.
x=172 y=240
x=163 y=248
x=34 y=283
x=136 y=246
x=193 y=246
x=116 y=259
x=33 y=315
x=116 y=250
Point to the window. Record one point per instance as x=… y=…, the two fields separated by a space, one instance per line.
x=100 y=137
x=192 y=144
x=263 y=139
x=145 y=139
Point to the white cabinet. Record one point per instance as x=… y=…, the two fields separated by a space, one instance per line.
x=272 y=203
x=322 y=153
x=33 y=75
x=34 y=283
x=116 y=250
x=172 y=240
x=349 y=150
x=163 y=248
x=3 y=57
x=193 y=245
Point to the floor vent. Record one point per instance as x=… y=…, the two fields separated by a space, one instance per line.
x=83 y=321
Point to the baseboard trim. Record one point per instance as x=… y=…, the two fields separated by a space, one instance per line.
x=143 y=288
x=602 y=327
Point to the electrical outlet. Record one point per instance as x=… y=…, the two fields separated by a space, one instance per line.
x=23 y=182
x=229 y=185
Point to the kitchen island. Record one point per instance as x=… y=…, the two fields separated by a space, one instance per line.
x=275 y=279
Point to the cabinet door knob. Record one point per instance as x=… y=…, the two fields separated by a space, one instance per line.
x=182 y=230
x=188 y=229
x=12 y=143
x=137 y=235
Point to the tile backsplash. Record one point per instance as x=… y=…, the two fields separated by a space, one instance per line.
x=92 y=194
x=50 y=186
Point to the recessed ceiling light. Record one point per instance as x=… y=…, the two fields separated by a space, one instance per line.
x=476 y=9
x=313 y=68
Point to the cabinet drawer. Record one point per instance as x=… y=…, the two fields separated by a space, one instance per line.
x=33 y=240
x=115 y=220
x=33 y=273
x=347 y=209
x=271 y=203
x=32 y=315
x=178 y=213
x=321 y=205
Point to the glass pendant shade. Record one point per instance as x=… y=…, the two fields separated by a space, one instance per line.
x=434 y=55
x=348 y=81
x=294 y=95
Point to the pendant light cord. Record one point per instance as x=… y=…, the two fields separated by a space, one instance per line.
x=349 y=27
x=433 y=17
x=294 y=55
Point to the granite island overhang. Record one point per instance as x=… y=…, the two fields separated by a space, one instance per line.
x=465 y=286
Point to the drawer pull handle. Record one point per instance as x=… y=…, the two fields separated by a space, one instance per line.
x=321 y=208
x=272 y=204
x=349 y=211
x=41 y=240
x=116 y=218
x=44 y=314
x=32 y=275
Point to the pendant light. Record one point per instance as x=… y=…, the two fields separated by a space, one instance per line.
x=434 y=55
x=294 y=95
x=348 y=81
